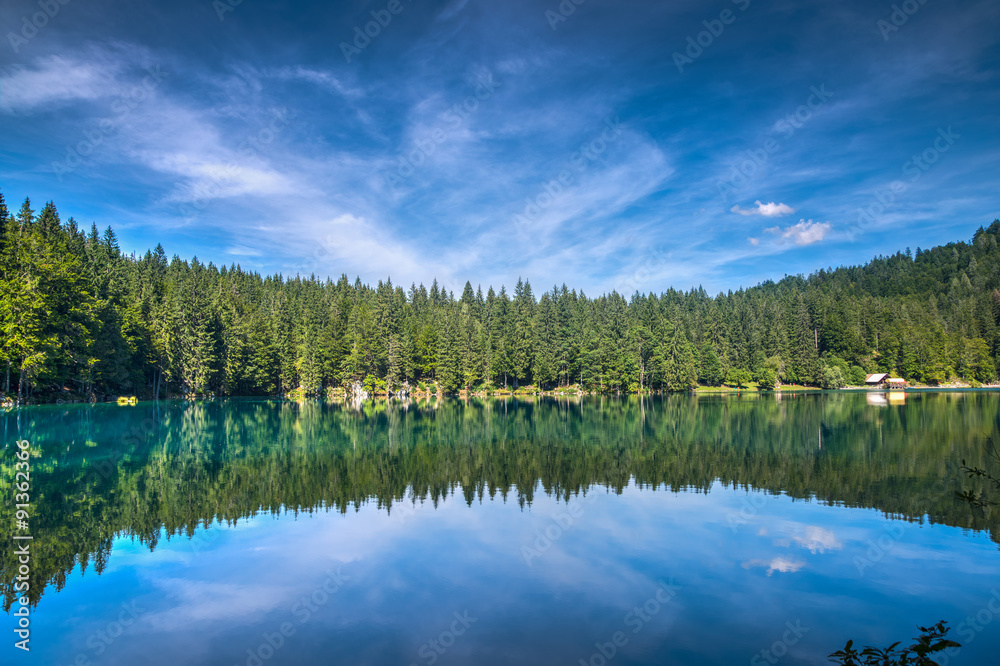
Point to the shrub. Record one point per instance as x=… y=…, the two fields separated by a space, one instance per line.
x=739 y=378
x=766 y=379
x=832 y=377
x=931 y=640
x=373 y=385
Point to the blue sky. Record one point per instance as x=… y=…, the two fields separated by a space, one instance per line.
x=608 y=145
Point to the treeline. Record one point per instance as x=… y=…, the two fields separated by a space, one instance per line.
x=79 y=318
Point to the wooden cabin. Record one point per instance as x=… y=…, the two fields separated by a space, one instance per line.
x=877 y=380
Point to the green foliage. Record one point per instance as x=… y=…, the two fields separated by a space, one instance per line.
x=979 y=501
x=373 y=385
x=79 y=319
x=678 y=363
x=739 y=377
x=974 y=362
x=766 y=378
x=931 y=641
x=711 y=373
x=118 y=472
x=832 y=377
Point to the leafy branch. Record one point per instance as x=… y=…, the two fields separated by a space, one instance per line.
x=979 y=501
x=931 y=640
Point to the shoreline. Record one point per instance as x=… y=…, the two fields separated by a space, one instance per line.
x=520 y=394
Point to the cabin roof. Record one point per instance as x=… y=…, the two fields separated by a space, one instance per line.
x=877 y=379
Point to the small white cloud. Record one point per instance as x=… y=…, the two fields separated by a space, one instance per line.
x=815 y=539
x=818 y=540
x=243 y=251
x=779 y=564
x=765 y=209
x=317 y=77
x=803 y=233
x=754 y=241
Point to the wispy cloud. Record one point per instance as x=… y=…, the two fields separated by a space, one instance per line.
x=53 y=80
x=779 y=564
x=767 y=210
x=199 y=151
x=803 y=233
x=811 y=537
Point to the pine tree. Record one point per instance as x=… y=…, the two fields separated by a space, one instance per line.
x=524 y=314
x=78 y=316
x=711 y=373
x=546 y=343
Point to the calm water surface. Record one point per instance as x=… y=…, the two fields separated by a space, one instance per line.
x=683 y=530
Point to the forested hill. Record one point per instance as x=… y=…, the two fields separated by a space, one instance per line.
x=80 y=319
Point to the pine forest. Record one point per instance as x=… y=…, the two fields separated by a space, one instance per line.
x=81 y=320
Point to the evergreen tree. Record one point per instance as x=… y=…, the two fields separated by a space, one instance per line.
x=80 y=319
x=711 y=373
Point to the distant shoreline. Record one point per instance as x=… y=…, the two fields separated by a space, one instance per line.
x=525 y=395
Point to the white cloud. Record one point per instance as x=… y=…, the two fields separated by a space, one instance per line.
x=766 y=209
x=803 y=233
x=95 y=73
x=244 y=251
x=815 y=539
x=317 y=77
x=52 y=79
x=199 y=602
x=818 y=540
x=779 y=564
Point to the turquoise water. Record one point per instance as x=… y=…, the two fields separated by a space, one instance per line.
x=679 y=530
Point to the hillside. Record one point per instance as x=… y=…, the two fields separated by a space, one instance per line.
x=80 y=320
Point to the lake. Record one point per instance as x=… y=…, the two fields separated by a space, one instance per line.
x=752 y=529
